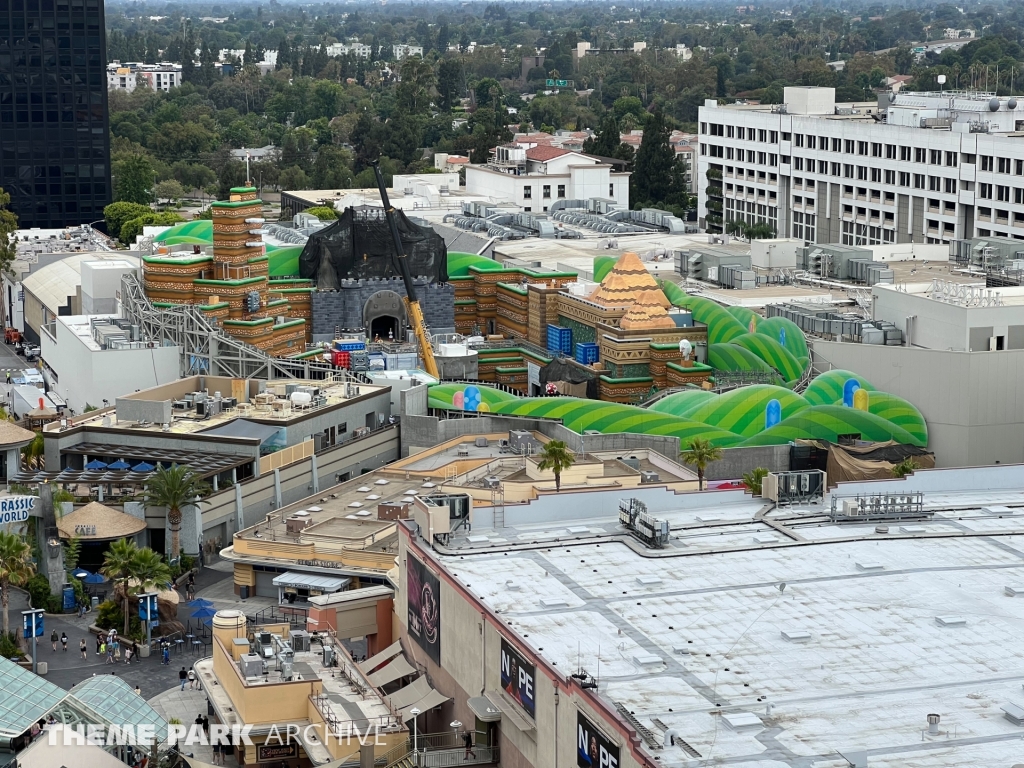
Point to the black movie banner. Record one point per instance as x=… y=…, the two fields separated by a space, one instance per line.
x=593 y=750
x=518 y=678
x=424 y=615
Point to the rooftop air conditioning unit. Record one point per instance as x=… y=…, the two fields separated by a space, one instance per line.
x=647 y=476
x=492 y=481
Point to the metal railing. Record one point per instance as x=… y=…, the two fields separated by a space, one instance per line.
x=275 y=614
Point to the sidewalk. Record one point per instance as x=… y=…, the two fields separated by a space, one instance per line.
x=184 y=705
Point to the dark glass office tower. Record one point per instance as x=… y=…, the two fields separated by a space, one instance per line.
x=54 y=149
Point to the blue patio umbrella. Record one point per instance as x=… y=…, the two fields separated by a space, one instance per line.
x=119 y=464
x=96 y=464
x=143 y=466
x=199 y=602
x=204 y=613
x=95 y=578
x=81 y=573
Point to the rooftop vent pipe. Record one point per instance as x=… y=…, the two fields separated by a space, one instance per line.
x=933 y=725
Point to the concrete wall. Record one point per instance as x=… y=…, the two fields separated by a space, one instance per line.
x=246 y=503
x=86 y=376
x=344 y=308
x=1008 y=477
x=737 y=461
x=973 y=402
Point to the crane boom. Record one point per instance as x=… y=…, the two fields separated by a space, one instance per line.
x=412 y=304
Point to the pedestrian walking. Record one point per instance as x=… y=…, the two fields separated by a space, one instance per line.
x=99 y=644
x=53 y=640
x=467 y=739
x=64 y=641
x=191 y=679
x=110 y=653
x=84 y=647
x=138 y=690
x=216 y=753
x=183 y=677
x=206 y=726
x=128 y=655
x=167 y=655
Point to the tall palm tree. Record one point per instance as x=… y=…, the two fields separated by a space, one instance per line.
x=151 y=570
x=121 y=563
x=174 y=487
x=701 y=453
x=16 y=568
x=556 y=457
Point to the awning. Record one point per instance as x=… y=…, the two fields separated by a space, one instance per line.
x=395 y=669
x=98 y=522
x=379 y=658
x=510 y=710
x=484 y=710
x=310 y=581
x=413 y=692
x=431 y=700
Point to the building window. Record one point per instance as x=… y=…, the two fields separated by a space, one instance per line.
x=848 y=146
x=527 y=193
x=890 y=177
x=918 y=181
x=1002 y=193
x=986 y=162
x=862 y=147
x=561 y=190
x=876 y=149
x=1004 y=164
x=920 y=155
x=611 y=190
x=890 y=151
x=905 y=154
x=799 y=140
x=985 y=191
x=950 y=186
x=773 y=137
x=951 y=159
x=811 y=141
x=546 y=191
x=934 y=156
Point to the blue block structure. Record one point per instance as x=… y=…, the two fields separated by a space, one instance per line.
x=560 y=339
x=587 y=353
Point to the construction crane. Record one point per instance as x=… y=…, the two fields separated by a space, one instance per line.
x=412 y=304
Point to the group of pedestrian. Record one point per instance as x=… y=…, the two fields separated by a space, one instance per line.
x=190 y=587
x=165 y=652
x=63 y=639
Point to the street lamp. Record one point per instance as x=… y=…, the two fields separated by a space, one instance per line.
x=415 y=712
x=455 y=724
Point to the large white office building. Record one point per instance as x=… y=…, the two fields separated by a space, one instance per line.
x=913 y=167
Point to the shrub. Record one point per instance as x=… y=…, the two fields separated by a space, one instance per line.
x=38 y=588
x=9 y=647
x=109 y=616
x=322 y=212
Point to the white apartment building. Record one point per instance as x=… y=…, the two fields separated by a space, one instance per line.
x=359 y=50
x=401 y=50
x=535 y=178
x=126 y=77
x=913 y=167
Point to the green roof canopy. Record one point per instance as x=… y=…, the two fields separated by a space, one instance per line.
x=27 y=698
x=116 y=702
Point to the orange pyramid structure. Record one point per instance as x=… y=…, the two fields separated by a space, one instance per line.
x=647 y=313
x=627 y=280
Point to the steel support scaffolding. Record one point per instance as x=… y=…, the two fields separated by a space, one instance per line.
x=205 y=348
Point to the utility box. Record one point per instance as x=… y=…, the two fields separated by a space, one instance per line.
x=775 y=253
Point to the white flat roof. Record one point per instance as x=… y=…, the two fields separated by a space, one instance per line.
x=699 y=635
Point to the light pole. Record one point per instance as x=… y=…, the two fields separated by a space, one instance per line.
x=415 y=712
x=455 y=724
x=33 y=626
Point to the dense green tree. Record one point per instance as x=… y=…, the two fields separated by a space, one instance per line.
x=450 y=79
x=606 y=141
x=134 y=180
x=653 y=178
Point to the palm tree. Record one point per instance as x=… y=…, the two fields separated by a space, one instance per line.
x=121 y=564
x=754 y=479
x=174 y=488
x=904 y=468
x=701 y=453
x=135 y=568
x=556 y=457
x=16 y=568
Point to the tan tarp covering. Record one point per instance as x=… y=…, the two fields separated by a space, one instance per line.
x=571 y=390
x=391 y=672
x=431 y=700
x=110 y=523
x=376 y=660
x=413 y=692
x=864 y=462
